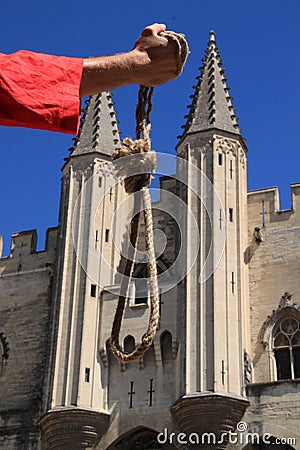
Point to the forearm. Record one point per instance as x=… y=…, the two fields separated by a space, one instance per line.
x=152 y=62
x=41 y=91
x=108 y=72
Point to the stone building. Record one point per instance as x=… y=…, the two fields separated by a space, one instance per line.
x=224 y=368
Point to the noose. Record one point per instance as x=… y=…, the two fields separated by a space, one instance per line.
x=133 y=184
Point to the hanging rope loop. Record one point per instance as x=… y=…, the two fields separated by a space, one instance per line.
x=144 y=166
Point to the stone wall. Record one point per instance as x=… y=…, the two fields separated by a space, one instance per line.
x=25 y=301
x=274 y=265
x=274 y=411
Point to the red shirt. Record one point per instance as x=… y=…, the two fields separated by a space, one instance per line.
x=40 y=91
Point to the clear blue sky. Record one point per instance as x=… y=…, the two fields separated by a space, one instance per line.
x=259 y=43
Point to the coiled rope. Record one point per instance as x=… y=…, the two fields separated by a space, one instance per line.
x=133 y=184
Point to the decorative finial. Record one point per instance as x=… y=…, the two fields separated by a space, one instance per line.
x=212 y=35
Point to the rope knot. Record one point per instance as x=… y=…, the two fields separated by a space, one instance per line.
x=136 y=171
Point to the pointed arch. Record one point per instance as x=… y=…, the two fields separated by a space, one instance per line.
x=140 y=438
x=166 y=346
x=280 y=336
x=129 y=344
x=141 y=271
x=286 y=348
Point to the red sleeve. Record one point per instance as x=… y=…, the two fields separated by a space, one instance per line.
x=40 y=91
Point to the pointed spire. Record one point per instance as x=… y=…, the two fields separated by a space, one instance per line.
x=212 y=36
x=211 y=103
x=98 y=129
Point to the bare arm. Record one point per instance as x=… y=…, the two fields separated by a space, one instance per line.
x=151 y=62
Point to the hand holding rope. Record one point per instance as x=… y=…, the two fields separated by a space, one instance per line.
x=135 y=183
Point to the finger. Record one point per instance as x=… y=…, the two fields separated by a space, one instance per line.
x=163 y=42
x=153 y=29
x=169 y=31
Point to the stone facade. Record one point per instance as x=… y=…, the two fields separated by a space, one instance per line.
x=225 y=361
x=26 y=286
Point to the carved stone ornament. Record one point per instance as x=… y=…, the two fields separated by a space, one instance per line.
x=242 y=156
x=103 y=356
x=226 y=145
x=286 y=300
x=205 y=149
x=247 y=368
x=286 y=305
x=107 y=169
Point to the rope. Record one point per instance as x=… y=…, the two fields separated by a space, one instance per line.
x=133 y=184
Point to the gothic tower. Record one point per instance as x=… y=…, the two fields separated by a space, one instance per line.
x=214 y=300
x=196 y=362
x=75 y=406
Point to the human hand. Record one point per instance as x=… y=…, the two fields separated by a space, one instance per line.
x=156 y=57
x=153 y=61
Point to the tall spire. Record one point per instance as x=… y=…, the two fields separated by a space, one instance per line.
x=211 y=103
x=98 y=129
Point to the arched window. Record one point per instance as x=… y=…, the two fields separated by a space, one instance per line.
x=129 y=344
x=166 y=346
x=286 y=347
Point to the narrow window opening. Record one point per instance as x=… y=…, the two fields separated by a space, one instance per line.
x=220 y=159
x=283 y=363
x=129 y=344
x=106 y=235
x=110 y=194
x=231 y=169
x=161 y=302
x=100 y=182
x=263 y=213
x=220 y=218
x=232 y=282
x=166 y=347
x=230 y=214
x=93 y=290
x=296 y=360
x=131 y=393
x=141 y=291
x=151 y=392
x=87 y=375
x=96 y=237
x=223 y=373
